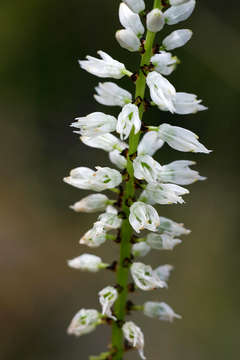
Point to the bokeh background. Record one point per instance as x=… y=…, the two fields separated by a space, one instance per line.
x=43 y=89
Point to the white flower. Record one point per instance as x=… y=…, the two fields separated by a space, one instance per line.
x=177 y=2
x=95 y=124
x=91 y=203
x=84 y=322
x=187 y=104
x=87 y=179
x=136 y=5
x=162 y=91
x=178 y=13
x=111 y=94
x=127 y=39
x=95 y=236
x=150 y=143
x=164 y=62
x=130 y=20
x=86 y=262
x=177 y=39
x=162 y=241
x=141 y=249
x=163 y=272
x=171 y=227
x=117 y=159
x=181 y=139
x=143 y=216
x=160 y=310
x=128 y=117
x=107 y=297
x=107 y=142
x=146 y=168
x=178 y=172
x=144 y=277
x=110 y=220
x=164 y=193
x=155 y=20
x=133 y=334
x=105 y=67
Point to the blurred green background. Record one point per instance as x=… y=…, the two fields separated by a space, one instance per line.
x=43 y=89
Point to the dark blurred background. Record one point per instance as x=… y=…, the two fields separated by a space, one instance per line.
x=43 y=89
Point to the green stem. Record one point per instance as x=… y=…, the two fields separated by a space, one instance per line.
x=129 y=191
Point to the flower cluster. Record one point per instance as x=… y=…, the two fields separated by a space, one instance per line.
x=139 y=181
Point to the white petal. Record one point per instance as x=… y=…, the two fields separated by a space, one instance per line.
x=128 y=40
x=177 y=39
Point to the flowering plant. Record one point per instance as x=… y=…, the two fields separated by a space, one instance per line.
x=140 y=181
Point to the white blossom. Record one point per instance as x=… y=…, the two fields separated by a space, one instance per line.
x=179 y=172
x=164 y=194
x=86 y=262
x=117 y=159
x=161 y=241
x=181 y=139
x=102 y=179
x=187 y=104
x=143 y=216
x=177 y=39
x=177 y=2
x=162 y=91
x=91 y=203
x=111 y=94
x=107 y=142
x=128 y=117
x=130 y=20
x=140 y=249
x=133 y=334
x=95 y=124
x=160 y=310
x=155 y=20
x=135 y=5
x=110 y=219
x=107 y=298
x=150 y=143
x=146 y=168
x=180 y=12
x=164 y=62
x=95 y=236
x=171 y=227
x=84 y=322
x=145 y=278
x=105 y=67
x=163 y=272
x=128 y=40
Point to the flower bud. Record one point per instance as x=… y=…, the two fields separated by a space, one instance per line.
x=187 y=104
x=164 y=63
x=86 y=262
x=155 y=20
x=92 y=203
x=135 y=5
x=162 y=91
x=161 y=241
x=150 y=143
x=144 y=277
x=117 y=159
x=95 y=124
x=181 y=139
x=84 y=322
x=140 y=249
x=143 y=216
x=128 y=40
x=111 y=94
x=127 y=119
x=177 y=39
x=133 y=334
x=107 y=298
x=178 y=13
x=160 y=310
x=130 y=20
x=87 y=179
x=105 y=67
x=107 y=142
